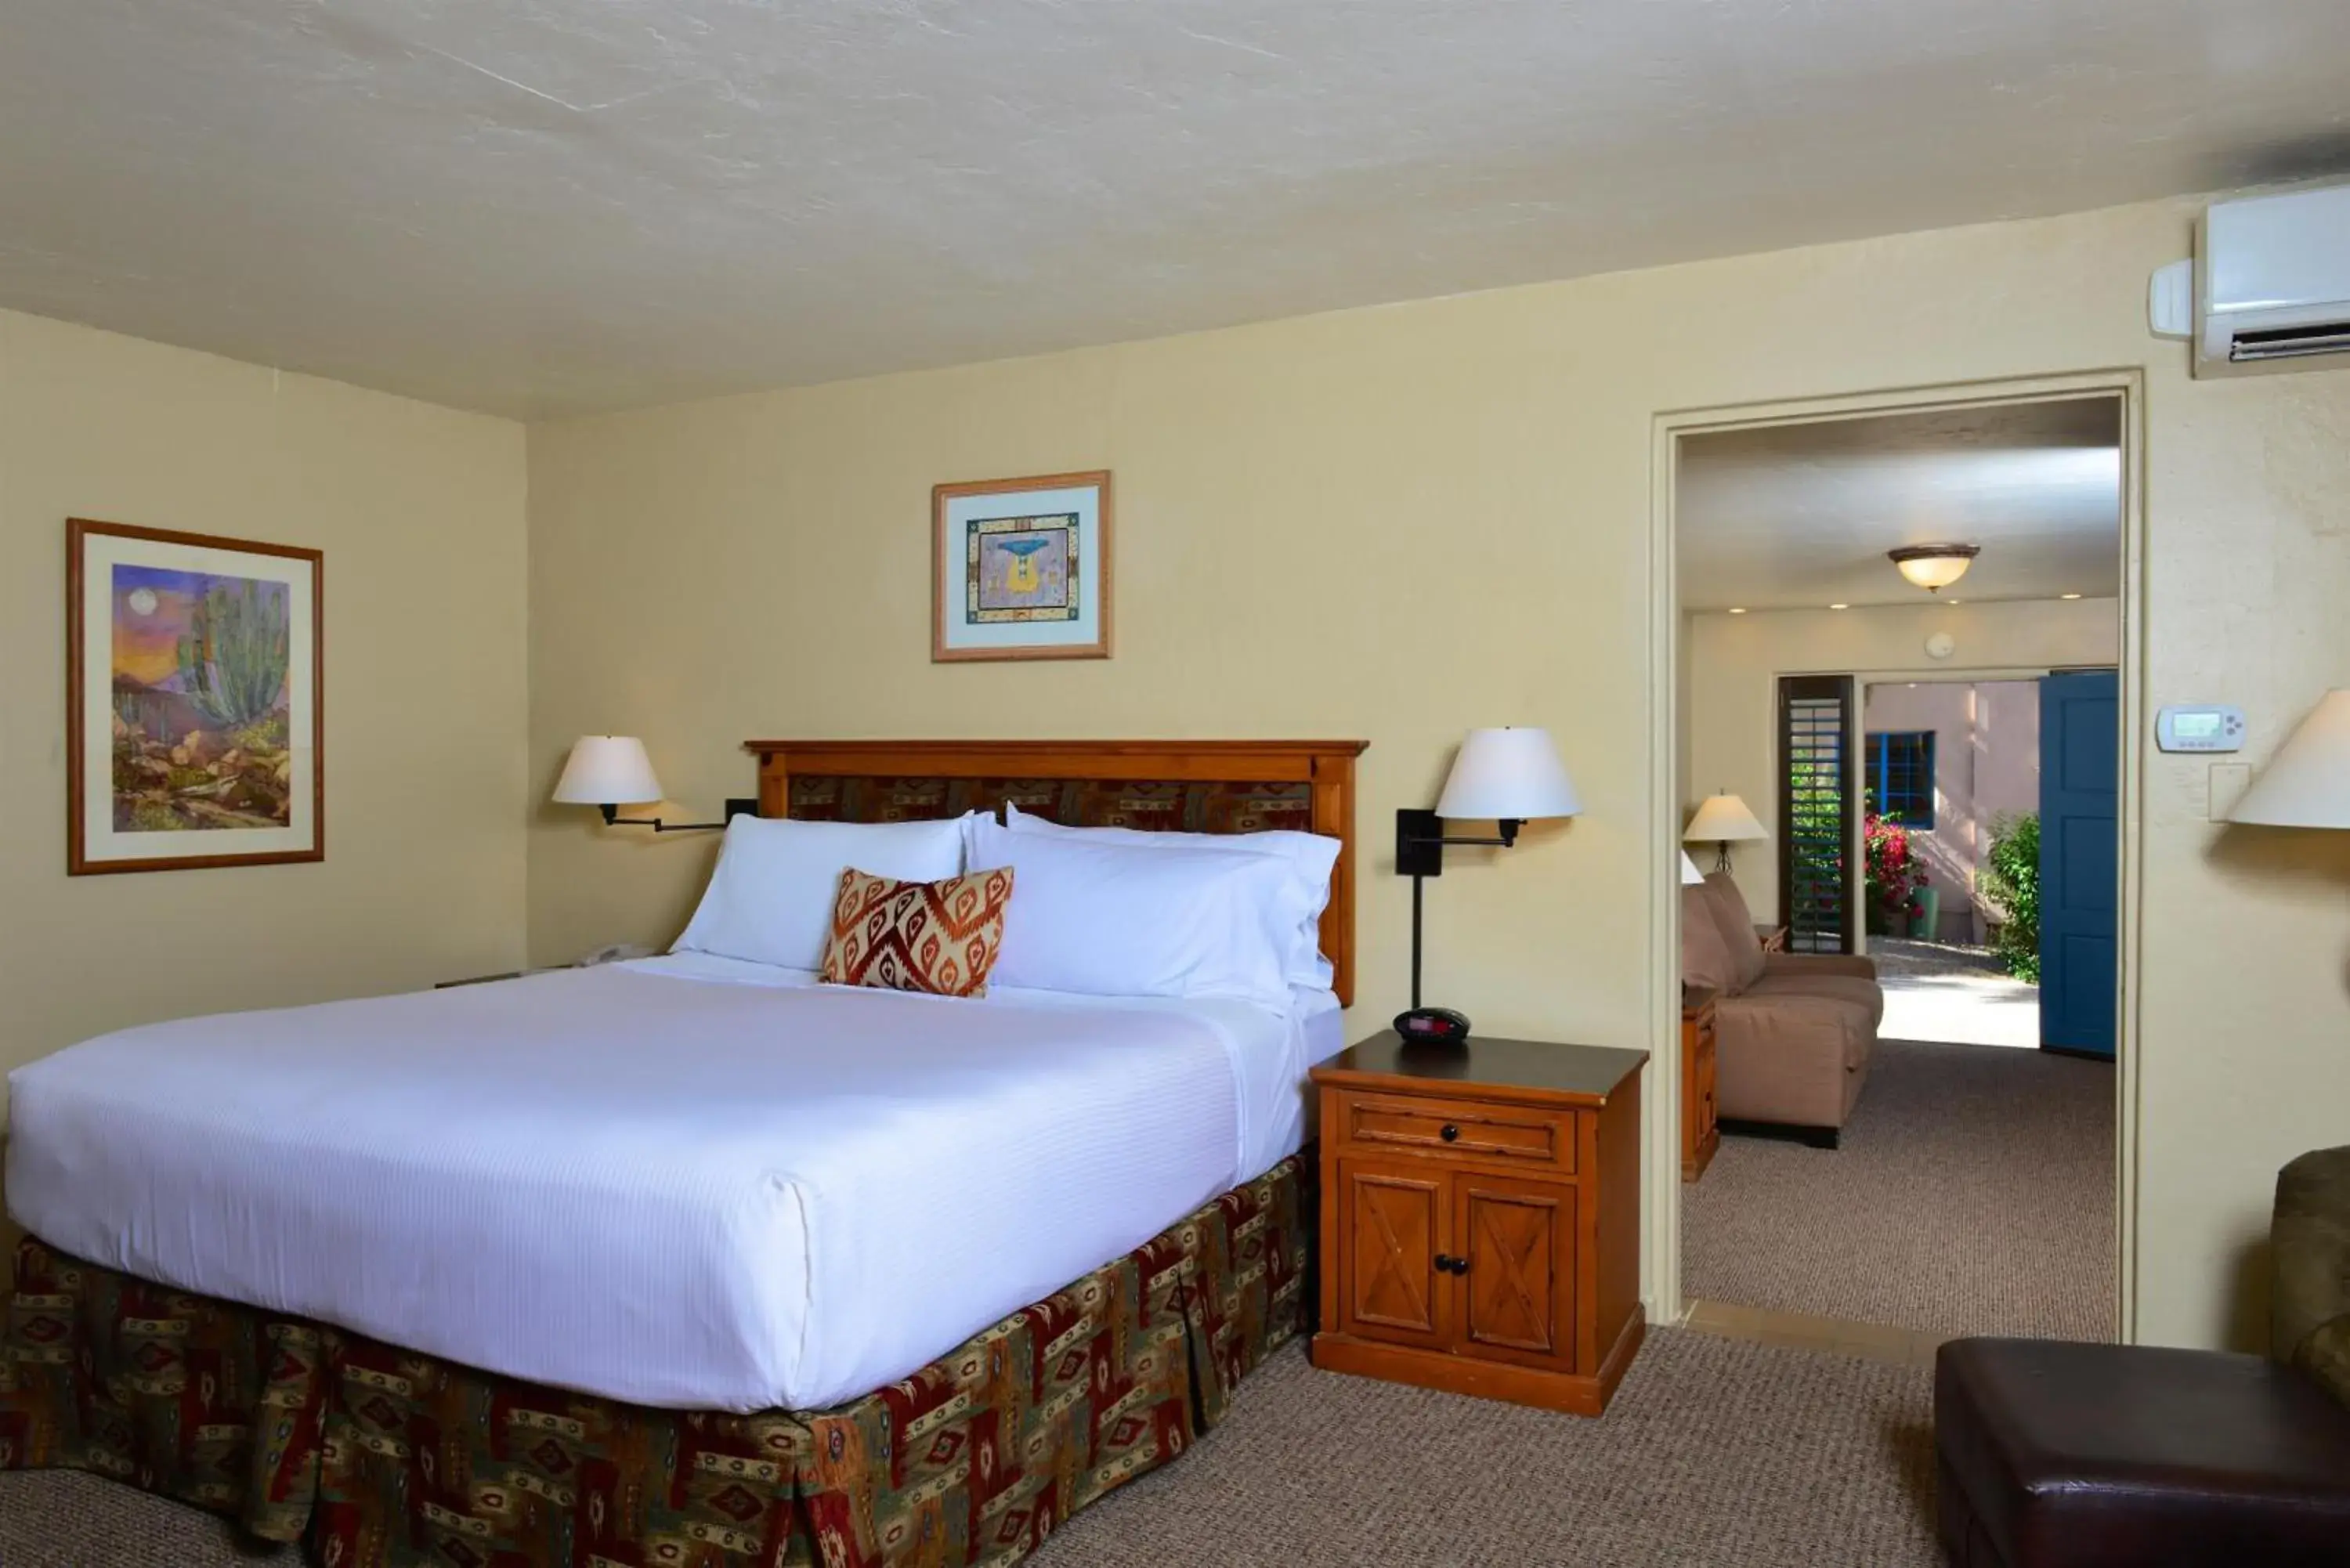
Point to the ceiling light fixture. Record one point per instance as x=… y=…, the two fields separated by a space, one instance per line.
x=1738 y=609
x=2068 y=595
x=1934 y=567
x=1839 y=607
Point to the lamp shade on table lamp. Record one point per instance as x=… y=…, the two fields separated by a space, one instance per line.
x=1723 y=820
x=2307 y=783
x=1691 y=875
x=608 y=770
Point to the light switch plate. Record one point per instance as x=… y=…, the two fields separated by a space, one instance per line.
x=2229 y=783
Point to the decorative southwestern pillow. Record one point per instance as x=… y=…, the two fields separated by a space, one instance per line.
x=935 y=937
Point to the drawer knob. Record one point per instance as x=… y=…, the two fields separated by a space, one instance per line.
x=1449 y=1133
x=1448 y=1265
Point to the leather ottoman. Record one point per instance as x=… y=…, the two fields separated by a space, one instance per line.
x=2054 y=1455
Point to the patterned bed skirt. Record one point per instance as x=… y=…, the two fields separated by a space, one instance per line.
x=376 y=1457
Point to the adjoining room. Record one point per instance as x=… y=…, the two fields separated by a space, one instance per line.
x=1900 y=632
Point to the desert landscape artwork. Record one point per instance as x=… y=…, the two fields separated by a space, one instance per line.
x=209 y=658
x=199 y=667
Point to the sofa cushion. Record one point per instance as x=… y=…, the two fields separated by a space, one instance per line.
x=2054 y=1454
x=1737 y=927
x=1705 y=961
x=1865 y=994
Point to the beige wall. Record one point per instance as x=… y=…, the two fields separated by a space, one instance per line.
x=1986 y=766
x=1735 y=661
x=1398 y=522
x=420 y=513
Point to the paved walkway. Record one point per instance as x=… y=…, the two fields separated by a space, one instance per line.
x=1958 y=995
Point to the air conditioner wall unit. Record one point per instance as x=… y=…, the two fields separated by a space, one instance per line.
x=2273 y=283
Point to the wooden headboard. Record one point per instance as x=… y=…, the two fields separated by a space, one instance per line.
x=1196 y=787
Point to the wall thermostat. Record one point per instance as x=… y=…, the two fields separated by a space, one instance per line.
x=2210 y=727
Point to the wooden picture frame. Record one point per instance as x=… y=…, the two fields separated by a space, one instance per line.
x=1021 y=568
x=195 y=700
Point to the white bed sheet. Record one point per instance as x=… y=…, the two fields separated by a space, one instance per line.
x=686 y=1182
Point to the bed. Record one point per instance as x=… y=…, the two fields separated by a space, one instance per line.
x=412 y=1294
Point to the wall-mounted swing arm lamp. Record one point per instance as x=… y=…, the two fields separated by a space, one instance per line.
x=1506 y=776
x=608 y=772
x=2307 y=783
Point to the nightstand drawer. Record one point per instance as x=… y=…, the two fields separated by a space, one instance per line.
x=1538 y=1137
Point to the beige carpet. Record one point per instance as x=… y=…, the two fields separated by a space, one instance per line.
x=1973 y=1194
x=1716 y=1452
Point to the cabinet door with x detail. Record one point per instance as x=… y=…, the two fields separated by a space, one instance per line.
x=1517 y=1241
x=1395 y=1221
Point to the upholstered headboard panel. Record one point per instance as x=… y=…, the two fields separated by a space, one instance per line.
x=1192 y=786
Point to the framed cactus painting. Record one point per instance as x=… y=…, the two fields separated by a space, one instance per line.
x=195 y=704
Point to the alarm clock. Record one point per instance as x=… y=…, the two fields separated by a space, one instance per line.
x=1432 y=1026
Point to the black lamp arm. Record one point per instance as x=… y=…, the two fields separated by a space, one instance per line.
x=734 y=807
x=1420 y=854
x=1509 y=827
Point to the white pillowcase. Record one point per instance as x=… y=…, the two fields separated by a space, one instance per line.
x=1123 y=919
x=1311 y=855
x=770 y=900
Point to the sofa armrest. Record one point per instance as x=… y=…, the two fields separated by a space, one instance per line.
x=1856 y=966
x=2309 y=1252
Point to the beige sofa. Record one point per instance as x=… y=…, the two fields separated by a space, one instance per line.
x=1793 y=1032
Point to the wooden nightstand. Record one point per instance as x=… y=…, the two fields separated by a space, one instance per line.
x=1700 y=1135
x=1481 y=1217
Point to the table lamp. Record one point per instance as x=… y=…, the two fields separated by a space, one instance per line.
x=1722 y=821
x=1506 y=775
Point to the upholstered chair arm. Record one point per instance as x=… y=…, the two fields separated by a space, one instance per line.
x=2309 y=1288
x=1858 y=966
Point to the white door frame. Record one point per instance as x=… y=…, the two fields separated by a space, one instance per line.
x=1661 y=1194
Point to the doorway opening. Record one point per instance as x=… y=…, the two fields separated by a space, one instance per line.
x=1901 y=1018
x=1951 y=768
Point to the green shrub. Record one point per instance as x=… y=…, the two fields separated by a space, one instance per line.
x=2012 y=881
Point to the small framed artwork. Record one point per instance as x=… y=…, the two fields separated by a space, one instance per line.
x=195 y=700
x=1020 y=569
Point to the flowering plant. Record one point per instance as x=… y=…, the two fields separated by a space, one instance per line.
x=1896 y=872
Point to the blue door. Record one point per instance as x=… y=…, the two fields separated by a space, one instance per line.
x=2080 y=785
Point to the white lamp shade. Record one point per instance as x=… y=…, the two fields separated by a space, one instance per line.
x=1509 y=773
x=608 y=770
x=2307 y=783
x=1722 y=817
x=1691 y=875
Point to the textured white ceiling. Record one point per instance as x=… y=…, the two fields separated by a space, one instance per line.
x=1800 y=516
x=545 y=206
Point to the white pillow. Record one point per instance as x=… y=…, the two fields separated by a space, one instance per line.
x=770 y=900
x=1122 y=919
x=1311 y=855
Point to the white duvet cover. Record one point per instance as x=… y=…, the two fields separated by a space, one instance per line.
x=688 y=1182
